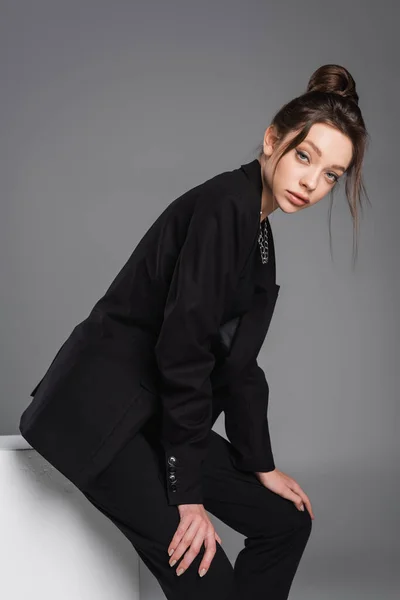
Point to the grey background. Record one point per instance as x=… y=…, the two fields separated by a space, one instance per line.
x=102 y=105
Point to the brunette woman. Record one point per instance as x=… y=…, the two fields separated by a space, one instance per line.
x=127 y=406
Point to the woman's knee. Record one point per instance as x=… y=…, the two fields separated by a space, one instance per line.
x=285 y=516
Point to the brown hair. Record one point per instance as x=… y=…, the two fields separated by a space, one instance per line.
x=330 y=98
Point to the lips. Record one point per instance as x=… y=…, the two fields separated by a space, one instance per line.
x=299 y=200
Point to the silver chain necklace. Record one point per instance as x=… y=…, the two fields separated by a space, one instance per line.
x=263 y=240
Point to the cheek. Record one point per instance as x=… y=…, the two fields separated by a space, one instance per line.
x=288 y=173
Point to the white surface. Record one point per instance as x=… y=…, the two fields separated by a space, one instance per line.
x=54 y=543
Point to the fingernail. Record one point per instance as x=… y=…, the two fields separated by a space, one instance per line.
x=203 y=572
x=180 y=571
x=302 y=508
x=170 y=552
x=172 y=563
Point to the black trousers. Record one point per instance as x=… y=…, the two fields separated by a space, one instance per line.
x=132 y=493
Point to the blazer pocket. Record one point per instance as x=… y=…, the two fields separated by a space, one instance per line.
x=223 y=341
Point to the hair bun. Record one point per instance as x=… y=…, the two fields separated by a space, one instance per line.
x=333 y=79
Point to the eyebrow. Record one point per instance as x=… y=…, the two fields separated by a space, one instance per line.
x=318 y=151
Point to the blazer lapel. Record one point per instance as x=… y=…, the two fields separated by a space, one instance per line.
x=264 y=274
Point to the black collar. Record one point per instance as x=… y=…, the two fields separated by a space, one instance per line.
x=252 y=170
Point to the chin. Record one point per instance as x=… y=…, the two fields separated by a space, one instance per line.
x=290 y=209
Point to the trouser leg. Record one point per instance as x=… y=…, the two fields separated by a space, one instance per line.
x=276 y=532
x=132 y=493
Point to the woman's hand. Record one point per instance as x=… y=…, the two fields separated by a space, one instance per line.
x=194 y=528
x=287 y=487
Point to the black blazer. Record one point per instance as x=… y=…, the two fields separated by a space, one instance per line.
x=176 y=334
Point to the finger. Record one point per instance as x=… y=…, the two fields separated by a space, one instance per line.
x=181 y=530
x=309 y=508
x=185 y=541
x=211 y=548
x=306 y=500
x=178 y=535
x=218 y=538
x=295 y=498
x=192 y=552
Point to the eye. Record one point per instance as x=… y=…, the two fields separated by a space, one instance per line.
x=299 y=154
x=335 y=177
x=302 y=154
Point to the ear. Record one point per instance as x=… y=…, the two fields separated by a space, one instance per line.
x=271 y=139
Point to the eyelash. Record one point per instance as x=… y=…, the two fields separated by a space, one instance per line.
x=336 y=178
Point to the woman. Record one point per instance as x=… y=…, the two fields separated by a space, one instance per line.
x=127 y=406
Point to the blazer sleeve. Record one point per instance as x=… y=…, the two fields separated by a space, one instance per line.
x=207 y=269
x=246 y=421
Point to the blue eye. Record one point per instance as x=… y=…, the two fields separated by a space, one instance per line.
x=300 y=154
x=335 y=177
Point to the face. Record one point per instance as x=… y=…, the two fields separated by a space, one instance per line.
x=309 y=171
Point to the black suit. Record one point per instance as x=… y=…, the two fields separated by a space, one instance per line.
x=177 y=332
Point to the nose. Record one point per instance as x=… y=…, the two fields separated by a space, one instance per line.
x=309 y=183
